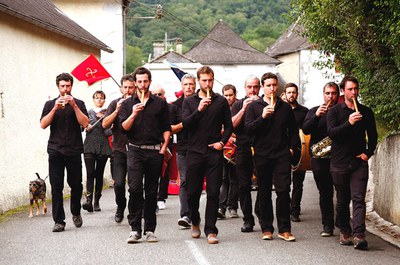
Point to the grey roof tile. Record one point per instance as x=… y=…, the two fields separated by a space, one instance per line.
x=288 y=42
x=223 y=46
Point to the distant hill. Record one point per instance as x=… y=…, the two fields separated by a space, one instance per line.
x=259 y=22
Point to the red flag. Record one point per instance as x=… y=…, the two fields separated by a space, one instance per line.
x=90 y=70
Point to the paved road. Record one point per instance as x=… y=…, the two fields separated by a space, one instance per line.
x=100 y=240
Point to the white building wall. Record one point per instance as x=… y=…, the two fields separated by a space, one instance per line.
x=299 y=68
x=103 y=19
x=31 y=59
x=312 y=80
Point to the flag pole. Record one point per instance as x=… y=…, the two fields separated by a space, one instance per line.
x=115 y=81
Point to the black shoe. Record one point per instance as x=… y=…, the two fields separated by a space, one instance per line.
x=119 y=215
x=221 y=213
x=359 y=242
x=77 y=219
x=88 y=206
x=247 y=227
x=327 y=232
x=295 y=218
x=96 y=207
x=58 y=227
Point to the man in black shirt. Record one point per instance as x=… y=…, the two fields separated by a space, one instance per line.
x=275 y=137
x=291 y=91
x=188 y=84
x=315 y=124
x=349 y=125
x=66 y=116
x=146 y=123
x=119 y=140
x=244 y=157
x=228 y=195
x=205 y=114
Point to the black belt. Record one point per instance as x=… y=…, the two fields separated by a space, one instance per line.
x=147 y=147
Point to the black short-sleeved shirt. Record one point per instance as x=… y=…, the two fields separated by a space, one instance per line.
x=274 y=135
x=119 y=139
x=150 y=124
x=205 y=127
x=350 y=140
x=176 y=118
x=65 y=130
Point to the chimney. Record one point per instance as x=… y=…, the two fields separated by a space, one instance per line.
x=158 y=49
x=179 y=45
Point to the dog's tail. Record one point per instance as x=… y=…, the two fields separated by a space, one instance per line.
x=37 y=174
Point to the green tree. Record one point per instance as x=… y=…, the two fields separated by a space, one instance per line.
x=134 y=58
x=364 y=37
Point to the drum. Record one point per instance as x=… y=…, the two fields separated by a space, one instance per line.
x=230 y=150
x=302 y=160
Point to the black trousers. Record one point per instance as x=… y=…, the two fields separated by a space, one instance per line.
x=95 y=165
x=57 y=165
x=163 y=184
x=228 y=196
x=277 y=172
x=351 y=185
x=323 y=179
x=119 y=172
x=143 y=164
x=244 y=172
x=207 y=165
x=297 y=191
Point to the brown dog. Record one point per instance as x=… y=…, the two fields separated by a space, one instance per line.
x=37 y=191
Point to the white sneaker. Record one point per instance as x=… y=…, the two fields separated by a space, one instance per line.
x=150 y=237
x=161 y=205
x=134 y=237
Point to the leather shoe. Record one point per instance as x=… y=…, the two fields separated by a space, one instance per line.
x=345 y=239
x=267 y=236
x=212 y=239
x=77 y=219
x=58 y=227
x=196 y=231
x=359 y=242
x=119 y=215
x=287 y=236
x=295 y=218
x=247 y=227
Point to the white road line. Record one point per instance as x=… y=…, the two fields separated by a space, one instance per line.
x=201 y=260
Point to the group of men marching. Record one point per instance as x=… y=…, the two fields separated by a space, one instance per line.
x=203 y=121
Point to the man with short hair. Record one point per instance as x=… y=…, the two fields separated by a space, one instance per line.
x=66 y=117
x=291 y=93
x=315 y=124
x=145 y=120
x=188 y=85
x=204 y=116
x=244 y=156
x=119 y=142
x=228 y=196
x=271 y=121
x=350 y=124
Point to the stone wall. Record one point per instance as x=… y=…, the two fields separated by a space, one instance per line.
x=385 y=166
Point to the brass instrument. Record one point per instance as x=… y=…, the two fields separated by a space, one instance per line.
x=142 y=97
x=322 y=149
x=355 y=104
x=64 y=102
